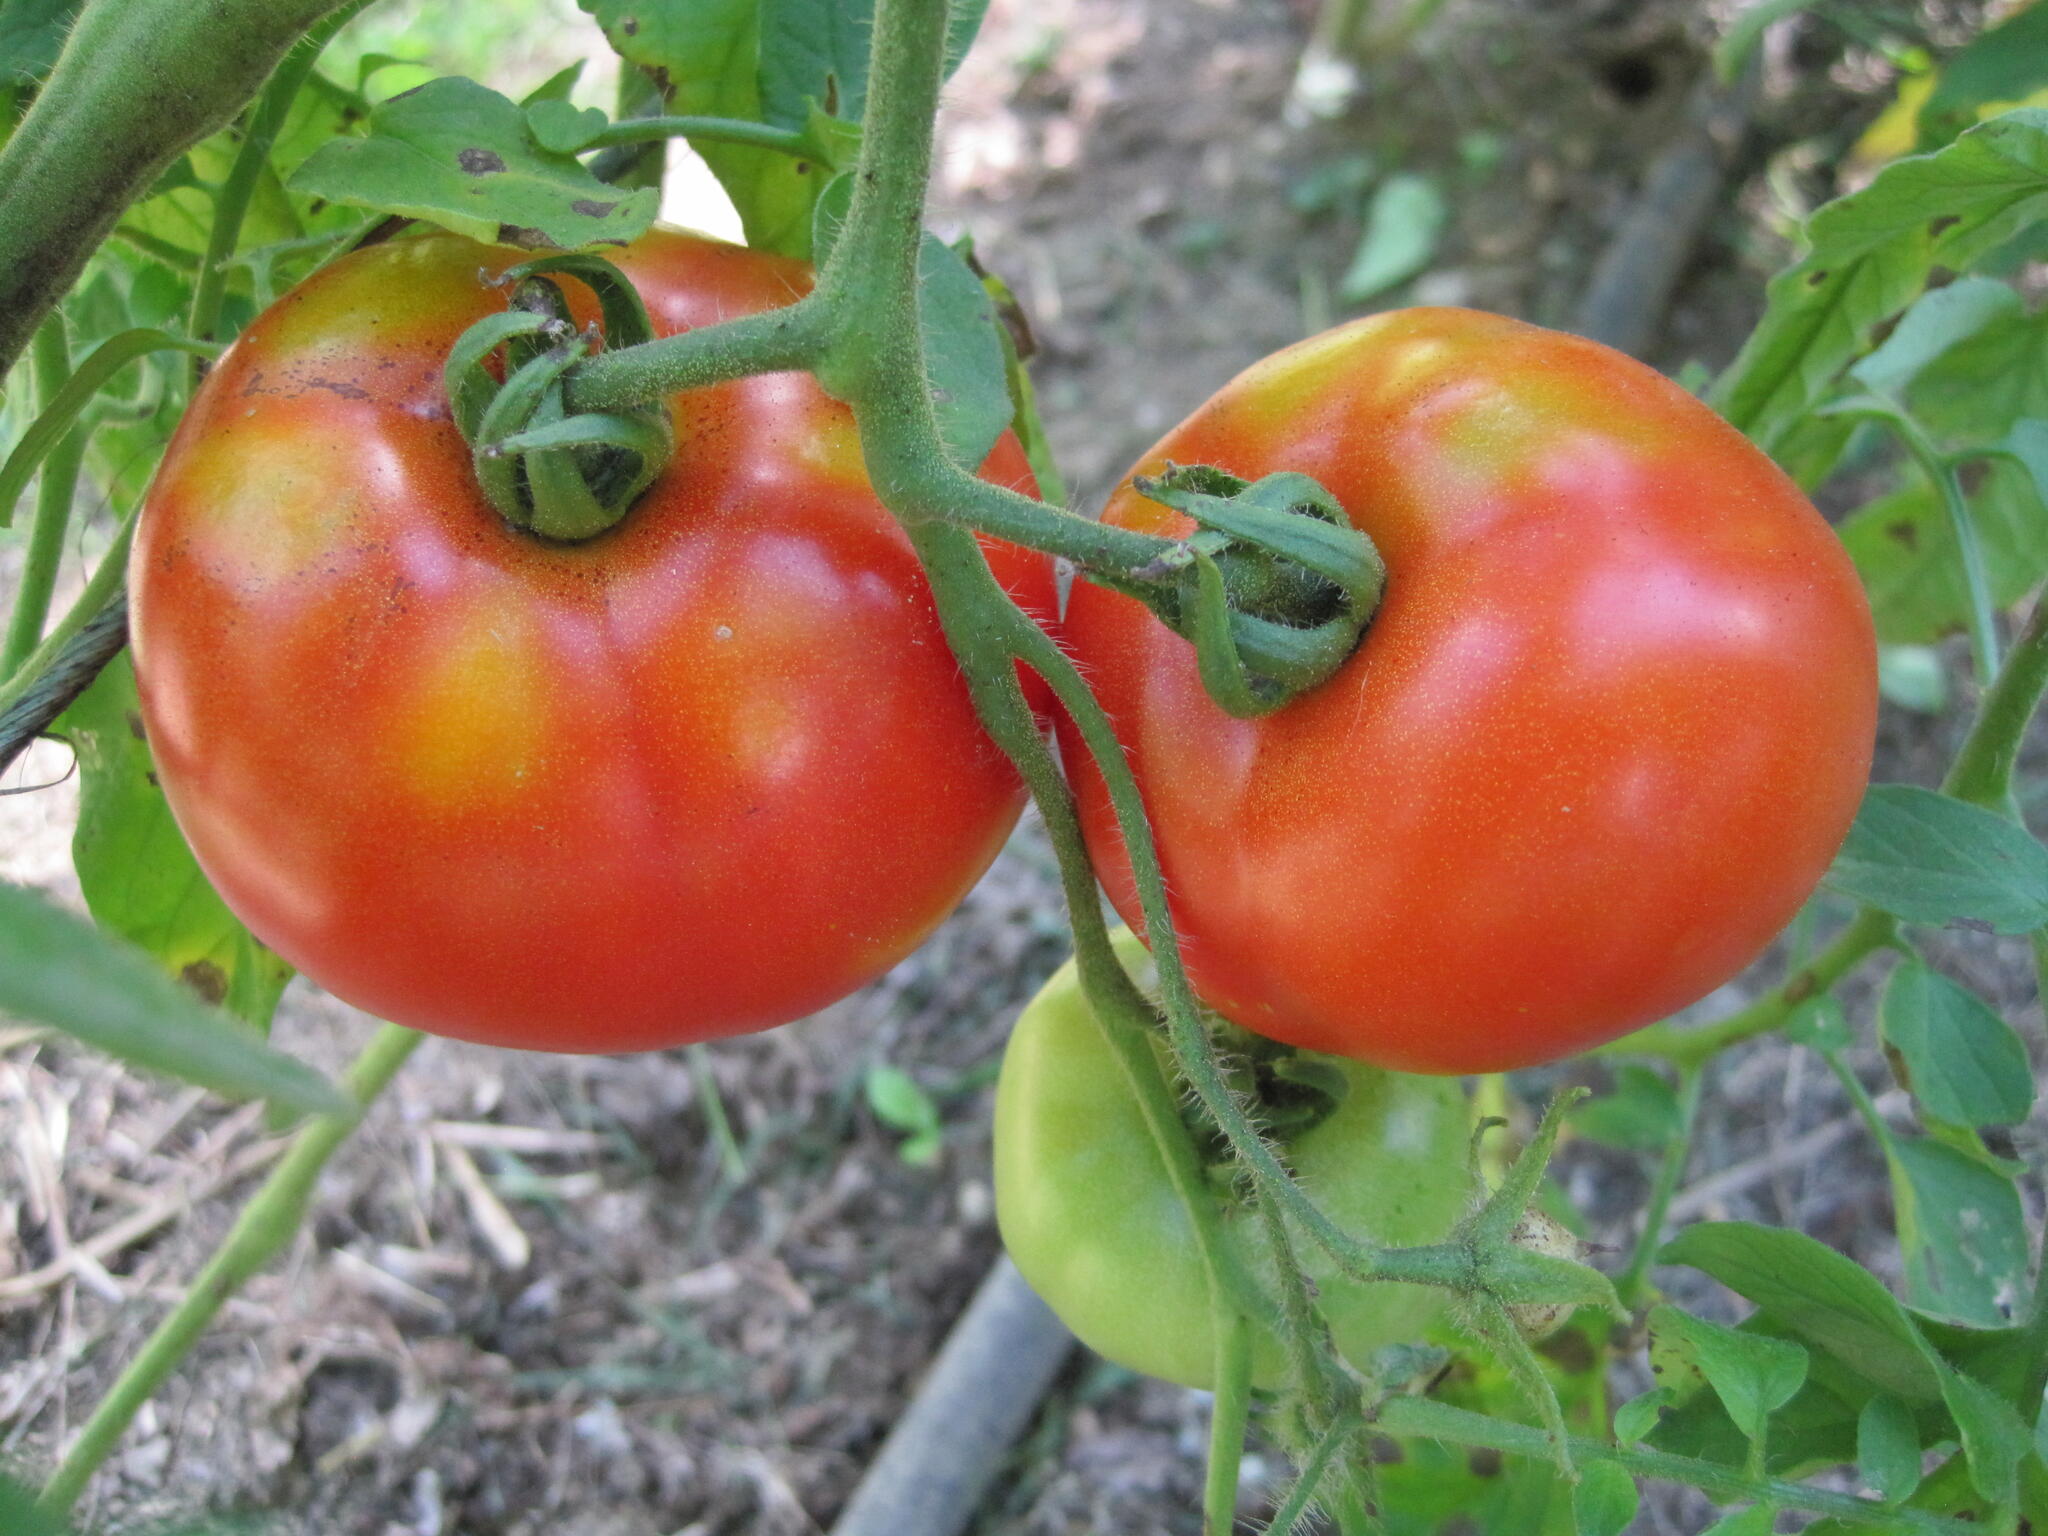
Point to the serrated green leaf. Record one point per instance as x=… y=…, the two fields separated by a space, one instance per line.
x=1753 y=1375
x=458 y=154
x=1994 y=1435
x=1962 y=1231
x=1605 y=1500
x=60 y=970
x=1870 y=255
x=139 y=877
x=1830 y=1301
x=1964 y=1063
x=963 y=351
x=1931 y=859
x=1888 y=1448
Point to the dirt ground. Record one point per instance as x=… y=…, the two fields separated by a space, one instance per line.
x=533 y=1297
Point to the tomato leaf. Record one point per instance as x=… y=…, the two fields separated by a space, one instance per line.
x=1870 y=255
x=1640 y=1115
x=1888 y=1448
x=1964 y=1063
x=899 y=1103
x=1757 y=1520
x=459 y=154
x=1752 y=1374
x=1605 y=1500
x=1638 y=1416
x=140 y=879
x=1830 y=1301
x=1962 y=1231
x=1904 y=546
x=1994 y=1436
x=817 y=51
x=2007 y=62
x=31 y=36
x=1406 y=217
x=60 y=970
x=1931 y=859
x=1935 y=323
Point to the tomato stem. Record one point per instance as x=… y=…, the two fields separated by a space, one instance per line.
x=266 y=1225
x=1228 y=1415
x=50 y=357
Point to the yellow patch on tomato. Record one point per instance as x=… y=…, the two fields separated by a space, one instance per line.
x=476 y=715
x=265 y=503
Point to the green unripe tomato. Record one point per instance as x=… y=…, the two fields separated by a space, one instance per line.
x=1092 y=1220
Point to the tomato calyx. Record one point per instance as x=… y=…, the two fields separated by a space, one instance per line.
x=1275 y=588
x=550 y=471
x=1288 y=1093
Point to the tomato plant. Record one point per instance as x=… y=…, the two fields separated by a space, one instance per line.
x=1092 y=1221
x=1601 y=740
x=700 y=775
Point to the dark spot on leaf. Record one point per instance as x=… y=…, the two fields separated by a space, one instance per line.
x=630 y=25
x=1815 y=279
x=1484 y=1461
x=1940 y=226
x=523 y=236
x=135 y=727
x=480 y=162
x=1386 y=1451
x=1904 y=533
x=154 y=781
x=1570 y=1349
x=590 y=208
x=207 y=979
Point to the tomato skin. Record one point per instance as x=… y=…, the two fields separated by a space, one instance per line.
x=1604 y=736
x=1092 y=1222
x=700 y=775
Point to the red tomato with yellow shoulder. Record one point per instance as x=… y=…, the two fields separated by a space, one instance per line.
x=1602 y=739
x=699 y=775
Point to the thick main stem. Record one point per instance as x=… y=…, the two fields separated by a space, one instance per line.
x=266 y=1225
x=138 y=82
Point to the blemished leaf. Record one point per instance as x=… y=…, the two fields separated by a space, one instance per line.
x=1829 y=1300
x=1754 y=1376
x=1402 y=225
x=1888 y=1448
x=459 y=155
x=1931 y=859
x=1870 y=255
x=562 y=127
x=1641 y=1114
x=1605 y=1500
x=1936 y=322
x=139 y=877
x=1995 y=1437
x=1904 y=546
x=60 y=970
x=1965 y=1064
x=1962 y=1231
x=1912 y=677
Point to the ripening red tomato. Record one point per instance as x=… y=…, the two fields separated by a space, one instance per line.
x=700 y=775
x=1604 y=736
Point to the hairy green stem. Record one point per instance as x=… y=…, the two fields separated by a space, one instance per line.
x=768 y=342
x=51 y=358
x=138 y=82
x=1676 y=1151
x=1724 y=1484
x=1229 y=1413
x=1302 y=1497
x=1982 y=771
x=264 y=1228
